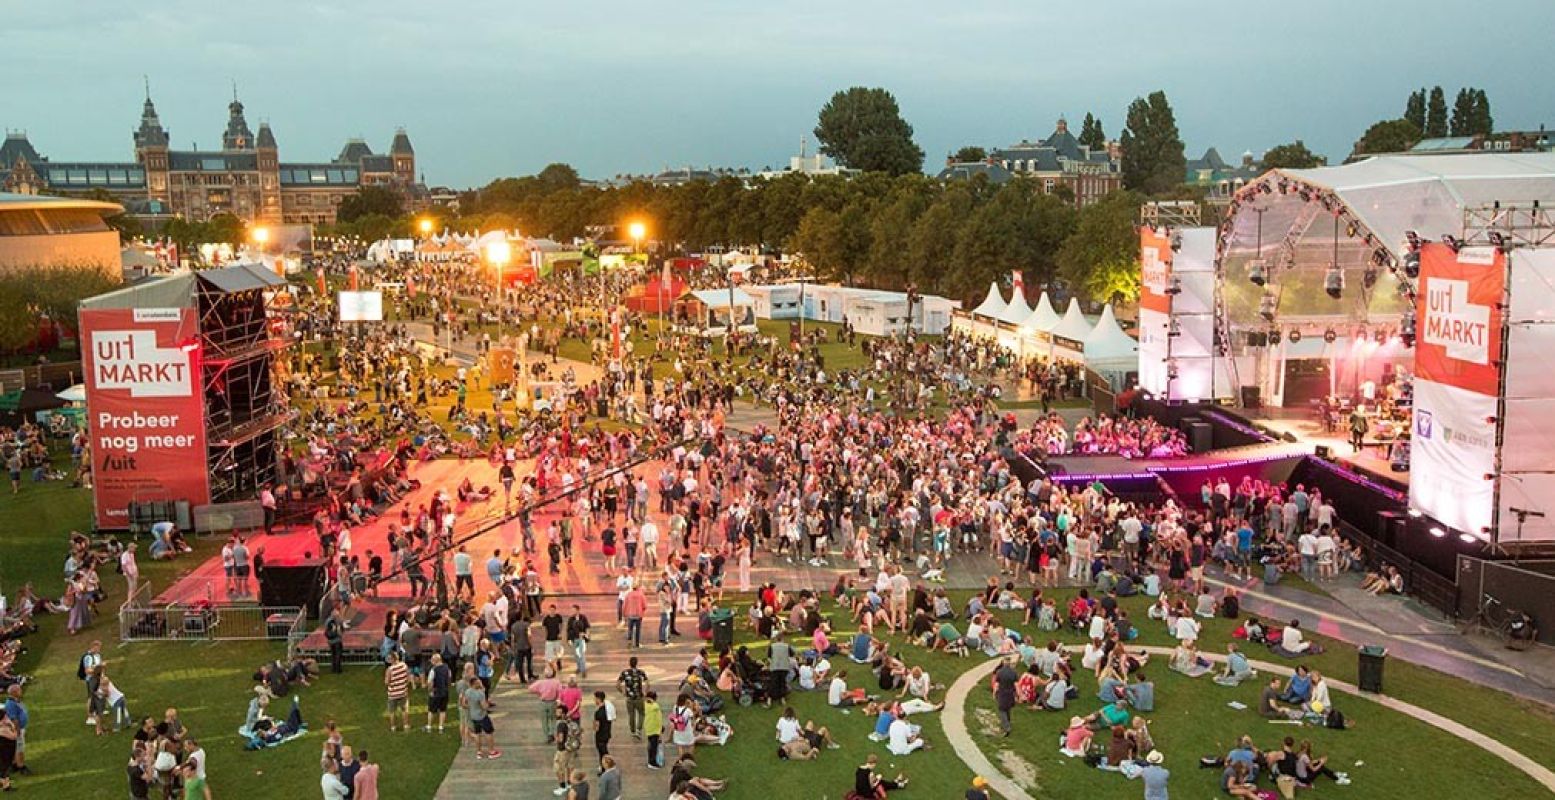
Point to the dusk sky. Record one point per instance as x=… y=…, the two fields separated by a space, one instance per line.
x=490 y=89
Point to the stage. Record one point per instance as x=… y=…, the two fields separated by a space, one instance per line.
x=1308 y=433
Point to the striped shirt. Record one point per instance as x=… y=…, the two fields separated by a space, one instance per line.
x=396 y=680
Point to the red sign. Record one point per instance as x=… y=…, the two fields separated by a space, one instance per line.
x=1155 y=270
x=1458 y=313
x=145 y=410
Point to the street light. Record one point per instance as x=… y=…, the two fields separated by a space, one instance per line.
x=498 y=253
x=261 y=235
x=426 y=226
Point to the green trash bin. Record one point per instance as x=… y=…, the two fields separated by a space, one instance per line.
x=1372 y=657
x=723 y=629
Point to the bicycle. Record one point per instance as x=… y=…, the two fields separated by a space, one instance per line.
x=1493 y=618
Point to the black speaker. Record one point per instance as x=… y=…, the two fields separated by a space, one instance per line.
x=1251 y=397
x=1201 y=437
x=300 y=585
x=1321 y=451
x=1389 y=526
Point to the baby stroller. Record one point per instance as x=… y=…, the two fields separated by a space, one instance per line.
x=759 y=688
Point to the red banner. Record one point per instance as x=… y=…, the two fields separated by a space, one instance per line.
x=1458 y=338
x=1155 y=265
x=145 y=410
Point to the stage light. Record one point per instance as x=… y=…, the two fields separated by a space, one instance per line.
x=1437 y=531
x=1174 y=286
x=1176 y=242
x=1329 y=337
x=1275 y=337
x=1295 y=335
x=1406 y=331
x=1467 y=538
x=1412 y=264
x=1414 y=512
x=1264 y=187
x=1258 y=272
x=1369 y=278
x=1333 y=281
x=1171 y=370
x=1453 y=243
x=1174 y=328
x=1499 y=241
x=1413 y=240
x=1267 y=306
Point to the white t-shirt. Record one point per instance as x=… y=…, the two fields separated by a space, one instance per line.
x=900 y=733
x=1188 y=628
x=788 y=729
x=835 y=692
x=1098 y=627
x=1307 y=543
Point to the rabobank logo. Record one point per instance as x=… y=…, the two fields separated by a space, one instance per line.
x=132 y=360
x=1424 y=424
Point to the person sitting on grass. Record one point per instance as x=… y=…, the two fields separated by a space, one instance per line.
x=904 y=737
x=1141 y=693
x=1239 y=783
x=1269 y=703
x=1298 y=689
x=863 y=648
x=1237 y=669
x=1028 y=688
x=1057 y=694
x=1319 y=701
x=1120 y=748
x=1114 y=713
x=1310 y=767
x=1077 y=738
x=869 y=784
x=1187 y=661
x=789 y=729
x=1293 y=643
x=838 y=695
x=948 y=639
x=688 y=785
x=1388 y=581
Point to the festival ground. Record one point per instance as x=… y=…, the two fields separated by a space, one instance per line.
x=1372 y=459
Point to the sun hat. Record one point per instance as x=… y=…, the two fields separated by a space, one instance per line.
x=979 y=782
x=1155 y=757
x=1075 y=722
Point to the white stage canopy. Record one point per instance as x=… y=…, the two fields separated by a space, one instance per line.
x=1109 y=350
x=1073 y=325
x=1043 y=318
x=1017 y=311
x=993 y=305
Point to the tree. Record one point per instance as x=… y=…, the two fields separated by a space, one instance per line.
x=1101 y=258
x=557 y=177
x=225 y=229
x=969 y=154
x=1414 y=110
x=1292 y=156
x=1091 y=134
x=1153 y=160
x=1388 y=136
x=1462 y=112
x=1482 y=123
x=862 y=128
x=370 y=200
x=18 y=319
x=1436 y=114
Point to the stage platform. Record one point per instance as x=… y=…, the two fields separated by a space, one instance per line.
x=1105 y=467
x=1372 y=459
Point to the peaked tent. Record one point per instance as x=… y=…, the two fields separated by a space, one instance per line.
x=1109 y=350
x=1073 y=326
x=1017 y=311
x=1043 y=318
x=993 y=305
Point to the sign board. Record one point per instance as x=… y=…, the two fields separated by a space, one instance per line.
x=361 y=306
x=146 y=412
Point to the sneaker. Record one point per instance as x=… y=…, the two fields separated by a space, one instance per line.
x=479 y=755
x=833 y=746
x=654 y=766
x=559 y=791
x=1342 y=780
x=494 y=754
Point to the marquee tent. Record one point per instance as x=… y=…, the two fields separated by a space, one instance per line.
x=1111 y=351
x=1073 y=325
x=1017 y=311
x=1042 y=318
x=993 y=305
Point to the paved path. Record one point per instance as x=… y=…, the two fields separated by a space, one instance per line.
x=524 y=770
x=954 y=717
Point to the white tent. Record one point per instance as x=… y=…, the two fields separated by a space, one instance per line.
x=1017 y=311
x=1043 y=318
x=1109 y=350
x=993 y=305
x=1073 y=325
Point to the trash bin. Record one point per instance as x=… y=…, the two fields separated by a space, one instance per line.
x=1372 y=658
x=723 y=629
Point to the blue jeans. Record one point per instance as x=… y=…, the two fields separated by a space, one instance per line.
x=1309 y=567
x=580 y=648
x=664 y=626
x=634 y=631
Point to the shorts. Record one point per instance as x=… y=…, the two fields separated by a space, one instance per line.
x=229 y=570
x=1197 y=572
x=241 y=570
x=553 y=651
x=437 y=705
x=814 y=739
x=497 y=637
x=399 y=704
x=482 y=725
x=563 y=760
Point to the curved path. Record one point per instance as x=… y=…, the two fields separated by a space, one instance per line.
x=953 y=718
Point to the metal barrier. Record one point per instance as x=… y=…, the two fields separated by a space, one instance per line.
x=207 y=623
x=1528 y=586
x=295 y=634
x=1420 y=581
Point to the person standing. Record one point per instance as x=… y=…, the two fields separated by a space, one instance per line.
x=1004 y=693
x=240 y=566
x=633 y=606
x=478 y=708
x=87 y=671
x=396 y=684
x=267 y=504
x=653 y=727
x=330 y=781
x=604 y=718
x=633 y=683
x=464 y=573
x=578 y=639
x=609 y=779
x=1155 y=776
x=16 y=712
x=334 y=634
x=130 y=568
x=438 y=679
x=553 y=623
x=365 y=786
x=567 y=740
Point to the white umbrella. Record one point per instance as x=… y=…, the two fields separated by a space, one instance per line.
x=75 y=394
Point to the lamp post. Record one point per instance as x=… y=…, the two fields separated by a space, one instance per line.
x=498 y=253
x=637 y=230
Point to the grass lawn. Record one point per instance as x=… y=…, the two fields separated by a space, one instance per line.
x=1191 y=719
x=208 y=683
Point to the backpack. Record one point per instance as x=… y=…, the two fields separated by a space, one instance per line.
x=680 y=720
x=574 y=740
x=81 y=668
x=1334 y=720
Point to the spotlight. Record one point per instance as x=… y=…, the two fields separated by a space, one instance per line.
x=1267 y=305
x=1176 y=242
x=1265 y=188
x=1174 y=328
x=1295 y=335
x=1284 y=186
x=1351 y=230
x=1174 y=286
x=1406 y=330
x=1333 y=281
x=1499 y=241
x=1467 y=538
x=1414 y=512
x=1369 y=278
x=1413 y=240
x=1436 y=530
x=1453 y=243
x=1258 y=272
x=1412 y=264
x=1329 y=336
x=1171 y=370
x=1275 y=337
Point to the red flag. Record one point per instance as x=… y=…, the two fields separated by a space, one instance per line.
x=353 y=277
x=615 y=332
x=1017 y=281
x=322 y=287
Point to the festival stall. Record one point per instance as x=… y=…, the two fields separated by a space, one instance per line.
x=1111 y=352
